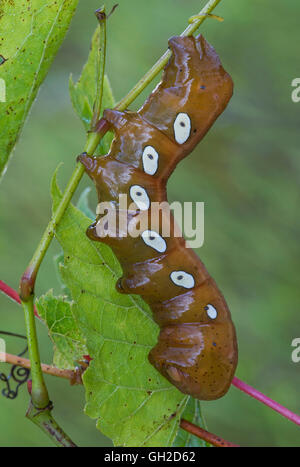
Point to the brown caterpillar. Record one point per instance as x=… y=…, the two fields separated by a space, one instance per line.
x=197 y=348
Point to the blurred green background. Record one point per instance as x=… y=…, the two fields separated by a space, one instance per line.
x=246 y=171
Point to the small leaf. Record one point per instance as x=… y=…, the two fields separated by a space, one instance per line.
x=31 y=33
x=83 y=93
x=192 y=413
x=134 y=404
x=69 y=345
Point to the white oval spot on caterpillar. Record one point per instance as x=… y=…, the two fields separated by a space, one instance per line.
x=154 y=240
x=139 y=195
x=150 y=160
x=211 y=311
x=182 y=128
x=183 y=279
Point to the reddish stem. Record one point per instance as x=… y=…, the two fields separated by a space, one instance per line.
x=266 y=400
x=73 y=376
x=11 y=293
x=205 y=435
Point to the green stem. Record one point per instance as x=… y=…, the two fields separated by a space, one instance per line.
x=44 y=420
x=40 y=406
x=39 y=391
x=101 y=16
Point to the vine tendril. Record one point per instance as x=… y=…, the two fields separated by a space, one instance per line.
x=17 y=373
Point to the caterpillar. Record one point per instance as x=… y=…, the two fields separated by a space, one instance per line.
x=197 y=348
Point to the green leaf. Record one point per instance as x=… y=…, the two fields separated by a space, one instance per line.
x=83 y=204
x=31 y=33
x=58 y=261
x=192 y=413
x=69 y=344
x=134 y=404
x=83 y=93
